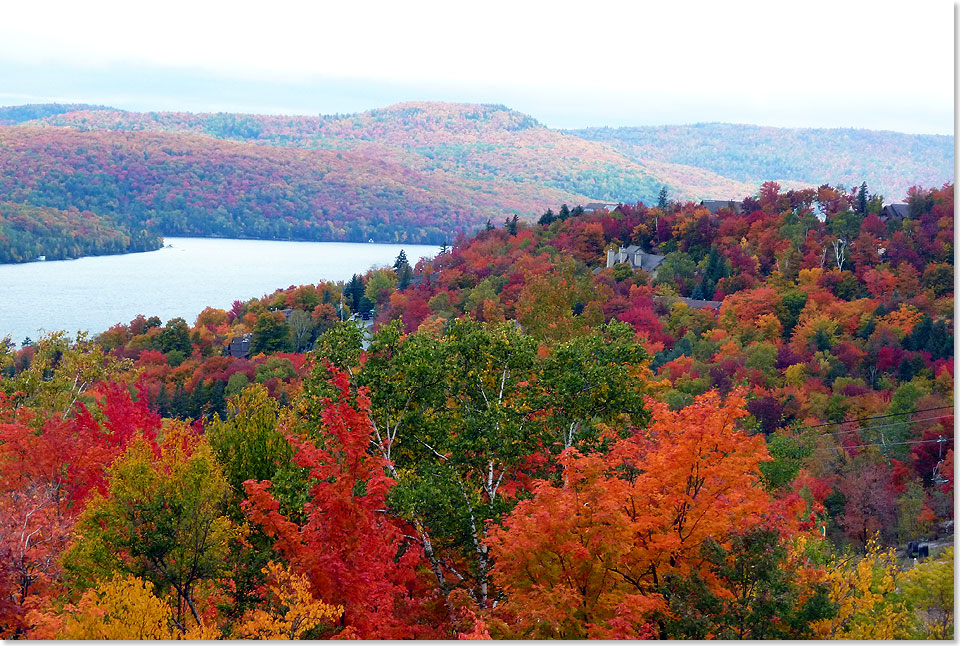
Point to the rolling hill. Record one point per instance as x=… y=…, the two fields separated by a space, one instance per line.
x=889 y=162
x=473 y=142
x=417 y=172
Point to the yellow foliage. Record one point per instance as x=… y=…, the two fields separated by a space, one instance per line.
x=808 y=277
x=928 y=588
x=795 y=375
x=292 y=609
x=121 y=608
x=769 y=327
x=865 y=593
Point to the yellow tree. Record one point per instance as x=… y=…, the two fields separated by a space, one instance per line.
x=864 y=592
x=124 y=608
x=291 y=610
x=928 y=589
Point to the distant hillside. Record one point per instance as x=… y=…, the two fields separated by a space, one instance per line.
x=417 y=172
x=28 y=232
x=14 y=114
x=198 y=185
x=890 y=162
x=473 y=142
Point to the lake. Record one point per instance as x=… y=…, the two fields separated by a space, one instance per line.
x=182 y=278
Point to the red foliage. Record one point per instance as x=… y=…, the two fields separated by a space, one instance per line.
x=348 y=548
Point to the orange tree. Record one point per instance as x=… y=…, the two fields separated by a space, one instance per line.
x=598 y=555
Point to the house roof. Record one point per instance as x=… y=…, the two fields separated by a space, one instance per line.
x=896 y=211
x=648 y=261
x=596 y=206
x=715 y=205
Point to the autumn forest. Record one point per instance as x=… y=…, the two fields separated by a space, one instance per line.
x=741 y=429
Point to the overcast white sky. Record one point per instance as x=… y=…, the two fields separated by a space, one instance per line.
x=876 y=64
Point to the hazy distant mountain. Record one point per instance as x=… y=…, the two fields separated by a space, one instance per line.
x=890 y=162
x=15 y=114
x=475 y=142
x=413 y=171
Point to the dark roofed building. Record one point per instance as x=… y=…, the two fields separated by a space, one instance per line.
x=239 y=347
x=715 y=205
x=899 y=211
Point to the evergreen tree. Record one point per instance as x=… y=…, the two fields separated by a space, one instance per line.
x=162 y=403
x=511 y=224
x=353 y=292
x=400 y=261
x=564 y=212
x=547 y=217
x=404 y=277
x=862 y=200
x=489 y=226
x=662 y=199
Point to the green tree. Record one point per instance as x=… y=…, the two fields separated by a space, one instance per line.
x=175 y=335
x=762 y=600
x=592 y=380
x=270 y=334
x=161 y=520
x=662 y=199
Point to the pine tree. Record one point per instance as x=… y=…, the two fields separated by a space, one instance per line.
x=662 y=199
x=162 y=403
x=862 y=200
x=511 y=224
x=400 y=261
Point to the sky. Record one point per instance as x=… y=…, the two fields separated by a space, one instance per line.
x=842 y=63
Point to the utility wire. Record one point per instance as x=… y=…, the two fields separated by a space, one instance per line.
x=865 y=419
x=873 y=428
x=860 y=446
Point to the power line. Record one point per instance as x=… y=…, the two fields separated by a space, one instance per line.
x=873 y=428
x=860 y=446
x=873 y=417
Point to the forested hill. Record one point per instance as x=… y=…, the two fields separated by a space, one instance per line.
x=890 y=162
x=527 y=444
x=14 y=114
x=197 y=185
x=475 y=143
x=412 y=172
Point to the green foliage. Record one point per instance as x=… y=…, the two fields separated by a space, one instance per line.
x=677 y=269
x=29 y=232
x=791 y=304
x=765 y=601
x=270 y=334
x=161 y=520
x=250 y=443
x=595 y=378
x=275 y=367
x=789 y=450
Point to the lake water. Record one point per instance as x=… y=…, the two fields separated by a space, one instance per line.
x=182 y=278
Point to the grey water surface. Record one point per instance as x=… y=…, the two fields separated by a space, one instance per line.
x=182 y=278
